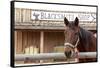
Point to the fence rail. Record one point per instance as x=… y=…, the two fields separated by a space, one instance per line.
x=43 y=56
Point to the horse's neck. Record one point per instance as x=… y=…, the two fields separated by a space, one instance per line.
x=84 y=44
x=83 y=35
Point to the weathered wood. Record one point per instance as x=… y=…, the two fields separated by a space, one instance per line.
x=23 y=19
x=41 y=41
x=15 y=41
x=18 y=15
x=50 y=27
x=19 y=42
x=26 y=15
x=25 y=40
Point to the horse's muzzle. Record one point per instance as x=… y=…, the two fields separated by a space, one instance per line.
x=68 y=54
x=68 y=51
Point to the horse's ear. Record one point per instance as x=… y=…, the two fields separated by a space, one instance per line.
x=66 y=22
x=76 y=22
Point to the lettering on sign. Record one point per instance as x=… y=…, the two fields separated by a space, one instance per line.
x=59 y=16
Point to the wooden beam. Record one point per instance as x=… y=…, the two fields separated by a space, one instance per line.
x=41 y=43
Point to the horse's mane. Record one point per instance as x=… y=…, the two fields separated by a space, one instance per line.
x=85 y=36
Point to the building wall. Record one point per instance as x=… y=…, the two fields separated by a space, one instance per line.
x=22 y=15
x=23 y=18
x=53 y=39
x=26 y=41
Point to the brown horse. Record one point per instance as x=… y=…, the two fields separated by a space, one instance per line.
x=77 y=37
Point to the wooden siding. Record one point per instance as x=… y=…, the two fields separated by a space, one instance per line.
x=18 y=15
x=18 y=42
x=23 y=21
x=26 y=41
x=52 y=39
x=22 y=15
x=26 y=15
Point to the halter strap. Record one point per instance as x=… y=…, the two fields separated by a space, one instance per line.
x=71 y=45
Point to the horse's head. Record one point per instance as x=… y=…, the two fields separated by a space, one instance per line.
x=71 y=36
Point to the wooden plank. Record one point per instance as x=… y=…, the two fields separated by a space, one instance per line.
x=31 y=43
x=25 y=40
x=18 y=15
x=18 y=45
x=26 y=26
x=41 y=42
x=19 y=42
x=52 y=39
x=30 y=40
x=26 y=15
x=15 y=41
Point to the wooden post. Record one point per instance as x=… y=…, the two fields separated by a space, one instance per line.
x=19 y=42
x=15 y=40
x=41 y=43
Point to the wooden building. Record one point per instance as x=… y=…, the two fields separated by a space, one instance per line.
x=34 y=36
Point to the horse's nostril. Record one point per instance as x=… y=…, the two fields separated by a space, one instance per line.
x=68 y=54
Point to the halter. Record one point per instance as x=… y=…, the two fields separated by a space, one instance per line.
x=71 y=45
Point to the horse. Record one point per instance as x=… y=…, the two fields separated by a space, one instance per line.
x=78 y=38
